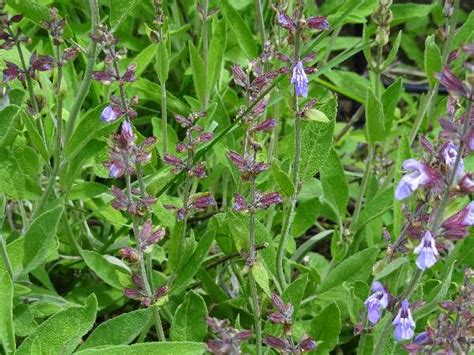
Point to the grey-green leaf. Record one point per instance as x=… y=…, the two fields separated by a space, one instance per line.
x=61 y=333
x=326 y=327
x=181 y=348
x=189 y=320
x=120 y=330
x=7 y=332
x=375 y=122
x=111 y=273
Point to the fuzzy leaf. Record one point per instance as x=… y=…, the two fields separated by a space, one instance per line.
x=189 y=320
x=181 y=348
x=7 y=332
x=375 y=122
x=111 y=273
x=325 y=328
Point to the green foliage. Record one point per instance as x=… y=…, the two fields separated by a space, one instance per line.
x=7 y=332
x=189 y=320
x=326 y=327
x=184 y=348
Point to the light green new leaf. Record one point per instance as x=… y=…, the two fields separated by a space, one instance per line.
x=432 y=59
x=374 y=118
x=393 y=51
x=40 y=238
x=199 y=79
x=9 y=124
x=120 y=330
x=144 y=58
x=261 y=276
x=316 y=141
x=61 y=333
x=295 y=292
x=189 y=320
x=465 y=34
x=162 y=62
x=357 y=267
x=181 y=348
x=7 y=333
x=111 y=273
x=240 y=29
x=325 y=328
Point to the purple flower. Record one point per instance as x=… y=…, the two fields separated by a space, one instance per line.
x=239 y=203
x=376 y=302
x=110 y=114
x=300 y=80
x=317 y=23
x=449 y=153
x=426 y=251
x=266 y=125
x=403 y=322
x=464 y=218
x=116 y=170
x=467 y=183
x=127 y=133
x=285 y=311
x=451 y=82
x=285 y=21
x=12 y=71
x=420 y=175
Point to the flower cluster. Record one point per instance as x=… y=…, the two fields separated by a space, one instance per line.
x=118 y=106
x=295 y=25
x=139 y=292
x=381 y=299
x=451 y=332
x=188 y=165
x=228 y=339
x=284 y=315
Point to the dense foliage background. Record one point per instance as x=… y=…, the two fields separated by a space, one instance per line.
x=258 y=218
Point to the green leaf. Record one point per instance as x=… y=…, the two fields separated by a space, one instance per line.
x=217 y=48
x=181 y=348
x=86 y=189
x=144 y=58
x=40 y=238
x=7 y=332
x=377 y=206
x=316 y=141
x=436 y=295
x=120 y=330
x=61 y=333
x=189 y=320
x=34 y=134
x=355 y=268
x=465 y=34
x=409 y=11
x=375 y=122
x=282 y=179
x=432 y=59
x=199 y=78
x=191 y=267
x=119 y=11
x=295 y=292
x=325 y=328
x=260 y=274
x=108 y=269
x=393 y=51
x=162 y=62
x=240 y=30
x=9 y=124
x=389 y=99
x=333 y=181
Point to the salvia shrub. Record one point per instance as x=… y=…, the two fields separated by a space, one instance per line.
x=227 y=177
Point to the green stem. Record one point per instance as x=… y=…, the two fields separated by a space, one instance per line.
x=5 y=256
x=261 y=22
x=86 y=80
x=205 y=50
x=364 y=183
x=295 y=178
x=164 y=118
x=428 y=106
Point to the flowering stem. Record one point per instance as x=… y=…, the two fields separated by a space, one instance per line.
x=164 y=118
x=252 y=258
x=295 y=177
x=428 y=105
x=86 y=80
x=435 y=223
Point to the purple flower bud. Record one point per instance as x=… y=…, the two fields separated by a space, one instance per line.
x=243 y=335
x=467 y=183
x=104 y=77
x=307 y=344
x=300 y=80
x=131 y=292
x=237 y=159
x=42 y=62
x=203 y=201
x=317 y=23
x=16 y=18
x=180 y=213
x=181 y=147
x=276 y=343
x=468 y=49
x=162 y=291
x=129 y=254
x=283 y=57
x=464 y=218
x=239 y=203
x=206 y=137
x=260 y=107
x=110 y=114
x=448 y=156
x=403 y=322
x=265 y=126
x=376 y=302
x=70 y=53
x=452 y=83
x=11 y=72
x=469 y=140
x=183 y=121
x=172 y=160
x=137 y=280
x=127 y=133
x=116 y=170
x=426 y=251
x=265 y=201
x=285 y=21
x=422 y=338
x=239 y=76
x=129 y=75
x=420 y=176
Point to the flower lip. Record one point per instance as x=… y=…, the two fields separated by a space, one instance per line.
x=426 y=251
x=403 y=322
x=300 y=80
